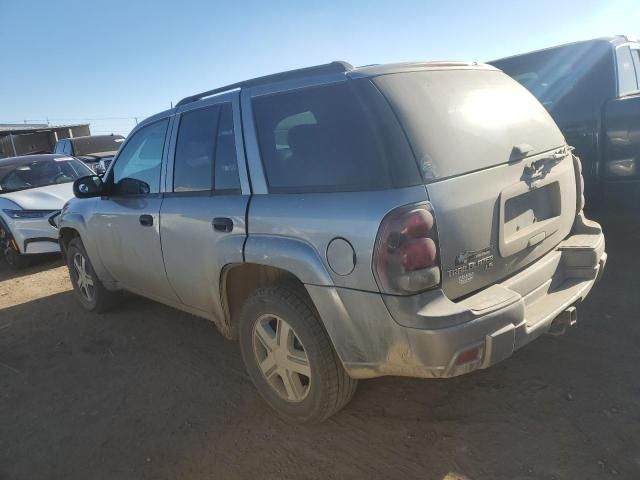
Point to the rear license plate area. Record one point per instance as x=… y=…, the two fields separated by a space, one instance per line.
x=527 y=210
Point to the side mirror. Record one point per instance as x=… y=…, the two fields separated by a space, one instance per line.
x=88 y=187
x=132 y=186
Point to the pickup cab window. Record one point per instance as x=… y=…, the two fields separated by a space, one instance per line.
x=635 y=53
x=627 y=78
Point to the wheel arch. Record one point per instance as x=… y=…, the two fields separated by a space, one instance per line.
x=239 y=281
x=73 y=226
x=268 y=260
x=65 y=235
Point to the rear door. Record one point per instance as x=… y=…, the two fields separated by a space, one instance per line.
x=498 y=174
x=207 y=192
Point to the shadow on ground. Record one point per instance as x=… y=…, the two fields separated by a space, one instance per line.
x=149 y=392
x=37 y=264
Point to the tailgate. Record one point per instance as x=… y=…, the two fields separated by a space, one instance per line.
x=496 y=168
x=494 y=222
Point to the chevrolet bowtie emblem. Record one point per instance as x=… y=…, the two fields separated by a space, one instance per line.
x=540 y=169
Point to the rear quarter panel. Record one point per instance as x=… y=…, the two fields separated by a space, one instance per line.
x=317 y=218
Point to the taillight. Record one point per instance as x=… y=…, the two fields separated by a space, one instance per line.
x=406 y=252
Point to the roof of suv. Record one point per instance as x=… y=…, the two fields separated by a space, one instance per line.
x=336 y=67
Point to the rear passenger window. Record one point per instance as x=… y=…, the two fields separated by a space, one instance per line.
x=226 y=164
x=627 y=81
x=206 y=151
x=338 y=137
x=193 y=165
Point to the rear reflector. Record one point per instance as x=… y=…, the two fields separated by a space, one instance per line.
x=468 y=356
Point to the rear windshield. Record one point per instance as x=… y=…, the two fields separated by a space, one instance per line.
x=98 y=144
x=337 y=137
x=464 y=120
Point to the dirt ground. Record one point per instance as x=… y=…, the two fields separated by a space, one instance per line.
x=148 y=392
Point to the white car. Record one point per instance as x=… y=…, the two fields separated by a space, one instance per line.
x=33 y=189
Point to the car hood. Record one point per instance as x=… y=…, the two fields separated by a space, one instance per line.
x=51 y=197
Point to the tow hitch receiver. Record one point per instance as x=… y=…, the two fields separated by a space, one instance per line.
x=566 y=319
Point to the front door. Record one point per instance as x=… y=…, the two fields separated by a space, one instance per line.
x=202 y=219
x=128 y=219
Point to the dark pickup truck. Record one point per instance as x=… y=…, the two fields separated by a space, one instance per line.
x=96 y=151
x=592 y=90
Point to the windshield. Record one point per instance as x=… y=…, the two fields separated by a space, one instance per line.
x=89 y=145
x=23 y=175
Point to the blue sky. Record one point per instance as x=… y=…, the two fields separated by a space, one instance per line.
x=111 y=61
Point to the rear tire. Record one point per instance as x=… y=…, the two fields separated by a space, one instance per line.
x=86 y=285
x=290 y=358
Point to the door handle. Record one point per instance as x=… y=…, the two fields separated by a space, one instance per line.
x=222 y=224
x=146 y=220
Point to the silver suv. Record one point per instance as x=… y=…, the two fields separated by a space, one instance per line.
x=343 y=223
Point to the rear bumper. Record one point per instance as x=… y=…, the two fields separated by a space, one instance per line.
x=376 y=336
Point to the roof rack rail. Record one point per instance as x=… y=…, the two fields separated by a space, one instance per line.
x=325 y=69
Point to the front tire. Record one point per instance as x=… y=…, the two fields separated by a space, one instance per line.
x=290 y=358
x=86 y=285
x=14 y=260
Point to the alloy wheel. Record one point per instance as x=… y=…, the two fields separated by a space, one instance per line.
x=281 y=358
x=84 y=280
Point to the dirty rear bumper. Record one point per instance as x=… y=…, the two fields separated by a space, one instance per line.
x=376 y=336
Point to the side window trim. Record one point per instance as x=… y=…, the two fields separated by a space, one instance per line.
x=246 y=187
x=225 y=191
